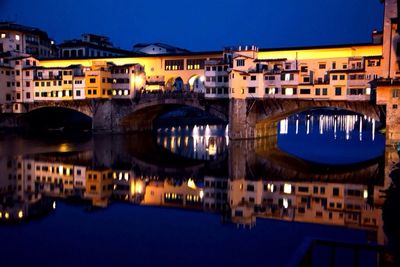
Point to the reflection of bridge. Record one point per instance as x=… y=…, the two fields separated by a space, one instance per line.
x=248 y=118
x=262 y=159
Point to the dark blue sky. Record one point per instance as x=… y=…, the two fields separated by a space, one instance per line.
x=203 y=25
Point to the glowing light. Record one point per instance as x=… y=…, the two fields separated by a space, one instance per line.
x=60 y=169
x=120 y=176
x=126 y=176
x=191 y=184
x=115 y=175
x=68 y=171
x=285 y=203
x=202 y=78
x=139 y=188
x=20 y=214
x=133 y=188
x=6 y=215
x=287 y=188
x=201 y=194
x=54 y=205
x=365 y=193
x=64 y=148
x=1 y=215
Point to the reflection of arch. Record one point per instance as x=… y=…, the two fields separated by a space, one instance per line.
x=175 y=84
x=196 y=83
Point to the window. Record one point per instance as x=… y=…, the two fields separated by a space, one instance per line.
x=195 y=64
x=322 y=66
x=303 y=189
x=306 y=79
x=305 y=91
x=333 y=65
x=289 y=91
x=324 y=91
x=355 y=91
x=17 y=37
x=28 y=84
x=335 y=191
x=27 y=73
x=317 y=91
x=240 y=62
x=250 y=187
x=271 y=91
x=395 y=93
x=92 y=80
x=287 y=77
x=342 y=77
x=253 y=78
x=334 y=77
x=394 y=106
x=338 y=91
x=303 y=68
x=78 y=92
x=252 y=90
x=174 y=64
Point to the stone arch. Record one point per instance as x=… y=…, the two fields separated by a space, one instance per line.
x=175 y=84
x=196 y=83
x=56 y=118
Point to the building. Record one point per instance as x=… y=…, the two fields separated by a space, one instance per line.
x=25 y=40
x=158 y=49
x=90 y=46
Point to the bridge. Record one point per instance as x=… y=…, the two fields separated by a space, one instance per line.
x=248 y=118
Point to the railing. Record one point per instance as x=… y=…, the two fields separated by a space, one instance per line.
x=312 y=250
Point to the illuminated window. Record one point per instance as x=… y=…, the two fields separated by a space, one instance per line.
x=252 y=90
x=195 y=64
x=17 y=37
x=174 y=64
x=3 y=35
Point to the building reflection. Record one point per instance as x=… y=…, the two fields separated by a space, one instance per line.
x=263 y=182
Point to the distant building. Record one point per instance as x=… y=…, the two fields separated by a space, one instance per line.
x=25 y=40
x=90 y=46
x=158 y=48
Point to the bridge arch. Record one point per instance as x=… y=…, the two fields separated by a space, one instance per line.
x=196 y=83
x=56 y=118
x=142 y=114
x=175 y=84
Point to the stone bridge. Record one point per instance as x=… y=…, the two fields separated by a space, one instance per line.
x=255 y=118
x=248 y=118
x=137 y=114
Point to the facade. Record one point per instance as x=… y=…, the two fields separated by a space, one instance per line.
x=90 y=46
x=25 y=40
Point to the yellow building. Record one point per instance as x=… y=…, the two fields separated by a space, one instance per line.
x=98 y=80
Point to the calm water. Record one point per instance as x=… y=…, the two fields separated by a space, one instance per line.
x=189 y=196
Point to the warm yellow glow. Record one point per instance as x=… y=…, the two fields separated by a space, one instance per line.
x=115 y=187
x=139 y=188
x=6 y=215
x=324 y=53
x=212 y=149
x=120 y=176
x=287 y=188
x=54 y=205
x=115 y=175
x=132 y=187
x=191 y=184
x=64 y=148
x=126 y=176
x=138 y=81
x=1 y=215
x=20 y=214
x=201 y=194
x=68 y=170
x=365 y=194
x=60 y=169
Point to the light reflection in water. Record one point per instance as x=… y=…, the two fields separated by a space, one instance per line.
x=200 y=142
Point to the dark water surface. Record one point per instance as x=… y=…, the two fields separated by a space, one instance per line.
x=187 y=196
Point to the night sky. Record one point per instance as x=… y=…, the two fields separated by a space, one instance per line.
x=203 y=25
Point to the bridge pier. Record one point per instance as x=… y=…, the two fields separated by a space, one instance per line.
x=241 y=124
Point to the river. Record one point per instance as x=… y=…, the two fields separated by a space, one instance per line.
x=189 y=195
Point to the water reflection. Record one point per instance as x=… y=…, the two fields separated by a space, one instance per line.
x=330 y=137
x=194 y=168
